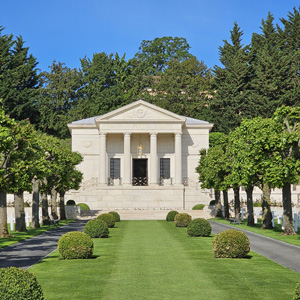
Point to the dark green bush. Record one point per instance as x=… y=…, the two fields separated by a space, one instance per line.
x=109 y=219
x=16 y=283
x=182 y=220
x=212 y=202
x=296 y=295
x=83 y=206
x=116 y=215
x=198 y=207
x=96 y=229
x=256 y=204
x=171 y=215
x=71 y=202
x=75 y=244
x=231 y=244
x=199 y=227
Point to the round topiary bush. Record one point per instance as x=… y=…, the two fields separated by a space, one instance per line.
x=296 y=295
x=171 y=215
x=182 y=220
x=116 y=215
x=231 y=244
x=16 y=283
x=71 y=202
x=199 y=227
x=198 y=207
x=96 y=229
x=75 y=244
x=83 y=206
x=109 y=219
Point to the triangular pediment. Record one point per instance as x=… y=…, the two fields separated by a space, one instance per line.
x=140 y=111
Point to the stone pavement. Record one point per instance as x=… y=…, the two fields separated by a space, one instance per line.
x=28 y=252
x=280 y=252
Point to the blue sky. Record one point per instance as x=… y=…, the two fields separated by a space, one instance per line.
x=67 y=30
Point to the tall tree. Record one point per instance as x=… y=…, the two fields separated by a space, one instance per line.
x=19 y=80
x=7 y=147
x=230 y=103
x=272 y=84
x=57 y=97
x=154 y=56
x=184 y=88
x=103 y=85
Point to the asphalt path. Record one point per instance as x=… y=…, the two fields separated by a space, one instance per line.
x=284 y=254
x=28 y=252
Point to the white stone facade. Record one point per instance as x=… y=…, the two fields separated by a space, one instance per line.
x=118 y=176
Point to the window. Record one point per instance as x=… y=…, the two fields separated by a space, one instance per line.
x=165 y=168
x=115 y=168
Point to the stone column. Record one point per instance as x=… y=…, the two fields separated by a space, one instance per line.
x=153 y=158
x=102 y=158
x=127 y=160
x=178 y=159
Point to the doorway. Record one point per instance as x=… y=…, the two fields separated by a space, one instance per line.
x=139 y=171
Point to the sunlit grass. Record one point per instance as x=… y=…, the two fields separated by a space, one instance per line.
x=156 y=260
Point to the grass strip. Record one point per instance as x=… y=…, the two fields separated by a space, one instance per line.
x=276 y=233
x=156 y=260
x=19 y=236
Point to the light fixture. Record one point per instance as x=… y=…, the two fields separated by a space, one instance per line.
x=140 y=150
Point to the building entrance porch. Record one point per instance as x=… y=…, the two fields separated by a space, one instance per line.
x=140 y=171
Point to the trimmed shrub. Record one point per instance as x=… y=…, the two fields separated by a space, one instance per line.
x=71 y=202
x=198 y=207
x=75 y=244
x=171 y=215
x=116 y=215
x=212 y=202
x=182 y=220
x=109 y=219
x=296 y=295
x=231 y=244
x=16 y=283
x=83 y=206
x=256 y=204
x=199 y=227
x=96 y=229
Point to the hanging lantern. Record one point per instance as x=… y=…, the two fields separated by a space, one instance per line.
x=140 y=150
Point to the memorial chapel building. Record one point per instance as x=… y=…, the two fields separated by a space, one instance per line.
x=140 y=156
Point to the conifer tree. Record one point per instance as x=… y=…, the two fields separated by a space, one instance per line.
x=272 y=80
x=19 y=80
x=230 y=104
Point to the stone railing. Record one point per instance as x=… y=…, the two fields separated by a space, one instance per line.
x=166 y=181
x=114 y=181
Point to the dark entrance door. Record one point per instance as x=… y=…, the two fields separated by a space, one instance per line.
x=139 y=171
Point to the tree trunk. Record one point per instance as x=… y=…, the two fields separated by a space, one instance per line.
x=35 y=204
x=54 y=212
x=218 y=203
x=266 y=207
x=45 y=214
x=62 y=212
x=237 y=203
x=287 y=210
x=249 y=192
x=3 y=215
x=20 y=212
x=226 y=206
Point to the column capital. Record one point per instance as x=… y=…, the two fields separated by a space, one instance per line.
x=178 y=133
x=127 y=133
x=153 y=133
x=103 y=133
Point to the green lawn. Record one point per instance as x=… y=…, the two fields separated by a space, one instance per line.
x=156 y=260
x=276 y=233
x=19 y=236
